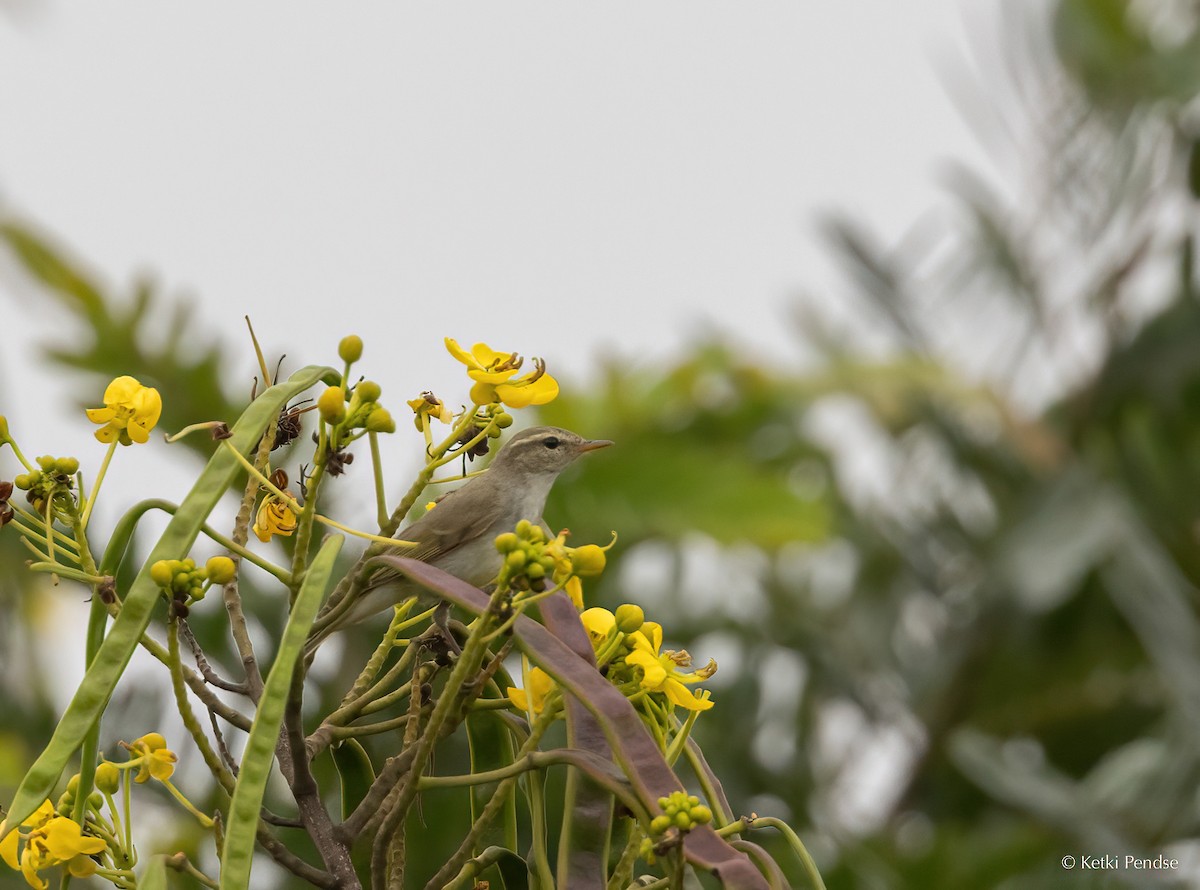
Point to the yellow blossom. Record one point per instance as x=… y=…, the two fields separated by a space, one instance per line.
x=660 y=670
x=495 y=381
x=54 y=840
x=429 y=405
x=130 y=411
x=599 y=623
x=538 y=686
x=157 y=760
x=274 y=517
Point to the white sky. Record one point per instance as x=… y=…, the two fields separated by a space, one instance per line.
x=562 y=179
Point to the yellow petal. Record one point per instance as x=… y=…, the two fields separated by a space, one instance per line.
x=82 y=866
x=653 y=673
x=599 y=622
x=107 y=434
x=138 y=433
x=492 y=377
x=8 y=847
x=459 y=353
x=100 y=415
x=518 y=698
x=486 y=356
x=483 y=394
x=682 y=696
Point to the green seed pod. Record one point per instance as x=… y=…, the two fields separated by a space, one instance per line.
x=108 y=778
x=630 y=618
x=507 y=542
x=162 y=572
x=368 y=391
x=350 y=349
x=220 y=570
x=332 y=405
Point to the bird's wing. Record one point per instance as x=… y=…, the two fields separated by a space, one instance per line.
x=435 y=537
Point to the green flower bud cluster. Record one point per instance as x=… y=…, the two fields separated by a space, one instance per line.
x=56 y=474
x=527 y=563
x=186 y=583
x=681 y=812
x=496 y=419
x=357 y=410
x=66 y=802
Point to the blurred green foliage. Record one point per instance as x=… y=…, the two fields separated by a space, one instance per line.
x=955 y=602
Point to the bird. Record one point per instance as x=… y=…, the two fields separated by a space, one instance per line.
x=458 y=534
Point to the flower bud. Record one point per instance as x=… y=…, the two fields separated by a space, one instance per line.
x=108 y=778
x=368 y=391
x=68 y=465
x=220 y=570
x=516 y=560
x=660 y=824
x=332 y=405
x=701 y=815
x=535 y=571
x=588 y=561
x=46 y=462
x=503 y=420
x=506 y=542
x=350 y=349
x=73 y=785
x=4 y=437
x=380 y=421
x=162 y=572
x=23 y=481
x=524 y=528
x=630 y=618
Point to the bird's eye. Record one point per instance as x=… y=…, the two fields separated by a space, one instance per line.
x=552 y=442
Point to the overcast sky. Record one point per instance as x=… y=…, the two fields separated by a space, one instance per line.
x=566 y=180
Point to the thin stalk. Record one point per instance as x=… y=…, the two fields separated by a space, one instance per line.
x=87 y=510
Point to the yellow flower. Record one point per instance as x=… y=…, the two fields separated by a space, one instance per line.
x=660 y=670
x=429 y=405
x=274 y=517
x=158 y=761
x=130 y=411
x=493 y=373
x=538 y=686
x=55 y=840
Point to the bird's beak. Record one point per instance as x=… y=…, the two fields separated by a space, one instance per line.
x=593 y=444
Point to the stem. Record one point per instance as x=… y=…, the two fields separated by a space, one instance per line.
x=87 y=510
x=215 y=766
x=797 y=845
x=381 y=510
x=187 y=804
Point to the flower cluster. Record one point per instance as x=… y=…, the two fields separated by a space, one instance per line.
x=54 y=476
x=52 y=841
x=185 y=583
x=681 y=812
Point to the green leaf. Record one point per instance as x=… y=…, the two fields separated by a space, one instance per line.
x=259 y=756
x=105 y=671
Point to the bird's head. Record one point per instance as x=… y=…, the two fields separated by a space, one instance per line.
x=544 y=450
